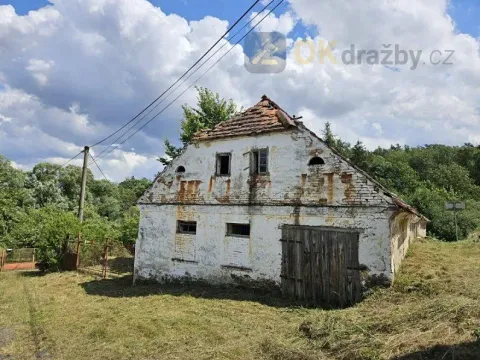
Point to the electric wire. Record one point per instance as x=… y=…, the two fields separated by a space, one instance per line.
x=98 y=166
x=201 y=76
x=73 y=158
x=183 y=82
x=180 y=78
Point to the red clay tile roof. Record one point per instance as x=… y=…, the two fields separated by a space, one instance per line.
x=265 y=116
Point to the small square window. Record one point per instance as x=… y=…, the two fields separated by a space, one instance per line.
x=186 y=227
x=259 y=161
x=223 y=164
x=242 y=230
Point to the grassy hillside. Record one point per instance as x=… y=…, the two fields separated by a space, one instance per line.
x=432 y=312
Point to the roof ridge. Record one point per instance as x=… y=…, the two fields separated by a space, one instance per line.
x=265 y=116
x=275 y=105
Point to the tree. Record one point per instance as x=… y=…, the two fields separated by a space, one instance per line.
x=328 y=136
x=130 y=191
x=129 y=227
x=211 y=110
x=360 y=156
x=14 y=198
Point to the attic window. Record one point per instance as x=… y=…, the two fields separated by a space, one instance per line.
x=259 y=161
x=223 y=164
x=316 y=161
x=180 y=169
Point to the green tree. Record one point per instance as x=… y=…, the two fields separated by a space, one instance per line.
x=129 y=227
x=335 y=142
x=211 y=110
x=43 y=181
x=47 y=230
x=14 y=198
x=360 y=156
x=130 y=191
x=328 y=136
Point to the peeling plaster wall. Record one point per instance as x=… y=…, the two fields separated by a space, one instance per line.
x=334 y=194
x=404 y=229
x=422 y=229
x=290 y=180
x=258 y=257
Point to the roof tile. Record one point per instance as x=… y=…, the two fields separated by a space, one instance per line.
x=265 y=116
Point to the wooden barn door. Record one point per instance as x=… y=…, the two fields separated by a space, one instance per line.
x=320 y=265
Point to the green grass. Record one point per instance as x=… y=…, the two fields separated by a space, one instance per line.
x=432 y=312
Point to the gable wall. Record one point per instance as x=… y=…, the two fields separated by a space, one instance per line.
x=290 y=179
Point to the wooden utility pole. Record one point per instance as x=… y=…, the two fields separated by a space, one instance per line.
x=86 y=149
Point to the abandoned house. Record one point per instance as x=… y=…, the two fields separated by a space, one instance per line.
x=262 y=198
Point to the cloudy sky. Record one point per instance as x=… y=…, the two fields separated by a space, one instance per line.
x=73 y=71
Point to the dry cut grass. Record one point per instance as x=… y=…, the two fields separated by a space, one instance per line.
x=432 y=312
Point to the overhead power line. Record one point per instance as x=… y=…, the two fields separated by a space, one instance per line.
x=73 y=158
x=183 y=81
x=181 y=77
x=201 y=76
x=98 y=167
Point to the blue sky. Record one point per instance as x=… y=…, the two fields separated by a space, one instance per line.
x=465 y=13
x=72 y=75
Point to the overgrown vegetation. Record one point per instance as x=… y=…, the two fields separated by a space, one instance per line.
x=431 y=313
x=38 y=209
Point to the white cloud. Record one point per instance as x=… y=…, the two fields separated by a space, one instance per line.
x=283 y=23
x=39 y=70
x=75 y=70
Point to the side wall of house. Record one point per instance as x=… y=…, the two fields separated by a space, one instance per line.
x=405 y=227
x=422 y=229
x=212 y=255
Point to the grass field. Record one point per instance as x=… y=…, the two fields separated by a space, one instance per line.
x=432 y=312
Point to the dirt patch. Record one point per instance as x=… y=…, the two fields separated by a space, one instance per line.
x=7 y=335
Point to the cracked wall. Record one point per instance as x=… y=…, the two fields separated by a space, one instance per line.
x=333 y=194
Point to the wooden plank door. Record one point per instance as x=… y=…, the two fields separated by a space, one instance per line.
x=320 y=265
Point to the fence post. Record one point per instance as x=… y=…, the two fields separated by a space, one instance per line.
x=105 y=258
x=2 y=259
x=77 y=260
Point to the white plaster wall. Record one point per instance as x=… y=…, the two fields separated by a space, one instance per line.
x=402 y=236
x=261 y=252
x=290 y=179
x=334 y=194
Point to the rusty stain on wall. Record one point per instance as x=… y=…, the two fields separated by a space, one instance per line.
x=331 y=190
x=349 y=193
x=258 y=187
x=293 y=193
x=225 y=198
x=188 y=190
x=346 y=178
x=210 y=183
